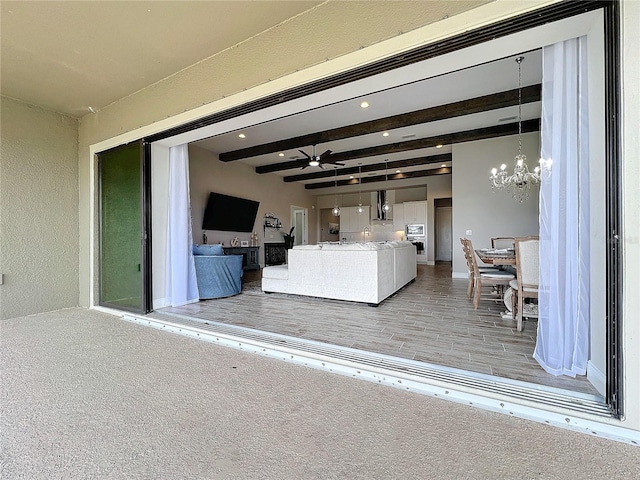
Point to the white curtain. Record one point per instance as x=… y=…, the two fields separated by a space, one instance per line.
x=562 y=346
x=181 y=285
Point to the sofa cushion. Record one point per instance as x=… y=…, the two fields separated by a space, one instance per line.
x=214 y=249
x=281 y=272
x=307 y=247
x=367 y=246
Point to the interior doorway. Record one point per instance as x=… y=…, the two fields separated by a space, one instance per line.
x=443 y=230
x=300 y=222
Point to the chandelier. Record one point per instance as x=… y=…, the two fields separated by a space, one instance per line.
x=336 y=208
x=520 y=182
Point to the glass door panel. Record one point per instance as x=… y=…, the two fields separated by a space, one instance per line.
x=120 y=227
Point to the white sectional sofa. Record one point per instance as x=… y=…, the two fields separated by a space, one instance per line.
x=359 y=272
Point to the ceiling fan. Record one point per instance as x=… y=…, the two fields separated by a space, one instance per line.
x=318 y=160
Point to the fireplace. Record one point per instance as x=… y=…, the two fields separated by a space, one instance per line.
x=274 y=254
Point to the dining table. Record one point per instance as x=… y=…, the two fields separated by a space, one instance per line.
x=501 y=257
x=497 y=256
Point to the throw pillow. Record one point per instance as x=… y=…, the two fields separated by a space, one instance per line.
x=215 y=249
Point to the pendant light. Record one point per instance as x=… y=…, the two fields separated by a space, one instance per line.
x=359 y=210
x=386 y=207
x=336 y=208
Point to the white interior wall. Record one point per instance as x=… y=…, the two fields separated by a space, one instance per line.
x=476 y=207
x=630 y=192
x=159 y=221
x=207 y=174
x=597 y=365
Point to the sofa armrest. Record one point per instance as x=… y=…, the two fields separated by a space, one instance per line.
x=218 y=275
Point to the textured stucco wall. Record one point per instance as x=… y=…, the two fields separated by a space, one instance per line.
x=38 y=210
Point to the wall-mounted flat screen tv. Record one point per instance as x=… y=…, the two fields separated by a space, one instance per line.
x=230 y=214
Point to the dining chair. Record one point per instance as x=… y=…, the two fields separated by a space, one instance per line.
x=484 y=277
x=527 y=281
x=502 y=242
x=465 y=250
x=469 y=256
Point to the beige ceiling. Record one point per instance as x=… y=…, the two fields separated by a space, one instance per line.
x=69 y=56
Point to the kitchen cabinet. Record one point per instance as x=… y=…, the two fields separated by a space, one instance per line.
x=353 y=224
x=398 y=217
x=415 y=212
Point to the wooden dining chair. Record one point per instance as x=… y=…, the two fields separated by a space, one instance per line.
x=527 y=281
x=465 y=250
x=502 y=242
x=469 y=256
x=485 y=277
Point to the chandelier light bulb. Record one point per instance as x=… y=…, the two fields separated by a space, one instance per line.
x=503 y=167
x=494 y=171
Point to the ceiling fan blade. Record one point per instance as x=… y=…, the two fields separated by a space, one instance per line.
x=322 y=166
x=305 y=166
x=335 y=163
x=325 y=154
x=305 y=154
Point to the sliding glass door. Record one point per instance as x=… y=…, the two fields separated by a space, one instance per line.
x=123 y=236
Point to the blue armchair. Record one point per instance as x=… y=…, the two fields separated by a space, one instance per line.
x=218 y=275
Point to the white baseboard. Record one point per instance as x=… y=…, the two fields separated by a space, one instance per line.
x=597 y=378
x=430 y=262
x=464 y=275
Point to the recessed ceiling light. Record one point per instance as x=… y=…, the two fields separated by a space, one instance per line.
x=443 y=165
x=438 y=146
x=350 y=177
x=385 y=134
x=281 y=154
x=364 y=104
x=242 y=135
x=398 y=171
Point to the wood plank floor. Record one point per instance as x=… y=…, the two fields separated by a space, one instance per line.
x=430 y=320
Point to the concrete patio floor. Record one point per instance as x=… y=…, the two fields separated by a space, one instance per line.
x=88 y=395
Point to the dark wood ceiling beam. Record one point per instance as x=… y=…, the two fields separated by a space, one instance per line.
x=409 y=162
x=447 y=139
x=441 y=112
x=381 y=178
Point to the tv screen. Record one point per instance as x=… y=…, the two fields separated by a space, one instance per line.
x=230 y=214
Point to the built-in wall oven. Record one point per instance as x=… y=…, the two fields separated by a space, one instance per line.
x=416 y=234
